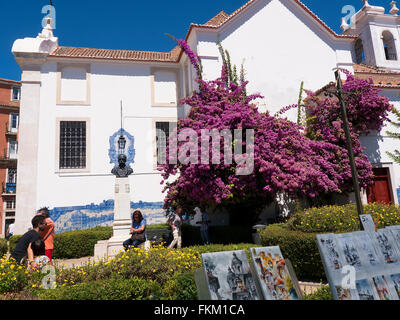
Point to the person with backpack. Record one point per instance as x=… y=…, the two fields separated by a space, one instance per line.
x=175 y=221
x=48 y=233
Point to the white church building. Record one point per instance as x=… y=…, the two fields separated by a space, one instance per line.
x=71 y=97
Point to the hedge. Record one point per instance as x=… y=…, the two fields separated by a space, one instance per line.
x=160 y=273
x=110 y=289
x=3 y=247
x=78 y=243
x=340 y=219
x=299 y=247
x=74 y=244
x=323 y=293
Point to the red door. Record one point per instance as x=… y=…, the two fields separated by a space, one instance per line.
x=380 y=191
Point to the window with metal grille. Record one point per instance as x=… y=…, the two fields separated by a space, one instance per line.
x=12 y=176
x=72 y=144
x=10 y=204
x=163 y=130
x=16 y=93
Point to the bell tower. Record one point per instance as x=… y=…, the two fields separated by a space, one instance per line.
x=378 y=44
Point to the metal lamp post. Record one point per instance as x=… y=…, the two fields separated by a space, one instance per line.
x=339 y=94
x=121 y=140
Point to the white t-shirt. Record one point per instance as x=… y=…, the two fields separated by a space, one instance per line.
x=175 y=219
x=11 y=230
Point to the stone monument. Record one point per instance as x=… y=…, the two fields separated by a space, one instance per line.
x=122 y=208
x=122 y=196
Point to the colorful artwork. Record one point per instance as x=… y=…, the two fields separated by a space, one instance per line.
x=274 y=276
x=386 y=247
x=349 y=248
x=395 y=231
x=382 y=288
x=364 y=290
x=396 y=281
x=229 y=276
x=92 y=215
x=129 y=147
x=328 y=245
x=343 y=294
x=368 y=250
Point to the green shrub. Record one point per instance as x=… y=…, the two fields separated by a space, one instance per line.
x=340 y=219
x=110 y=289
x=180 y=287
x=224 y=247
x=157 y=226
x=13 y=242
x=299 y=247
x=3 y=247
x=15 y=278
x=74 y=244
x=77 y=244
x=159 y=264
x=323 y=293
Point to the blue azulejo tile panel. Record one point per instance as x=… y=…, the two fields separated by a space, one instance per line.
x=398 y=194
x=92 y=215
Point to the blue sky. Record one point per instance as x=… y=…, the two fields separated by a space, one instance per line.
x=127 y=24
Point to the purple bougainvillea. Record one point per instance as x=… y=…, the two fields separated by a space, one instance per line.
x=301 y=162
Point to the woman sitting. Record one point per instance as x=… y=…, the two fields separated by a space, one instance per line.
x=137 y=230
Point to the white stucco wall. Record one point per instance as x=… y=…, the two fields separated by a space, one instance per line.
x=110 y=83
x=378 y=144
x=280 y=47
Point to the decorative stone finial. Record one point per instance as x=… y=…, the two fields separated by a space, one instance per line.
x=345 y=26
x=394 y=9
x=47 y=31
x=366 y=4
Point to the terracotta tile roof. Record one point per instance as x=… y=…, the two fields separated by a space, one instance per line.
x=382 y=78
x=222 y=17
x=111 y=54
x=312 y=14
x=363 y=68
x=218 y=19
x=175 y=54
x=7 y=81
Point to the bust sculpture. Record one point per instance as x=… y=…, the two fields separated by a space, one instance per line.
x=122 y=170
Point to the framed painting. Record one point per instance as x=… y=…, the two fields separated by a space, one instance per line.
x=273 y=274
x=228 y=276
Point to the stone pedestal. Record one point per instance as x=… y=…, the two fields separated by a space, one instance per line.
x=122 y=221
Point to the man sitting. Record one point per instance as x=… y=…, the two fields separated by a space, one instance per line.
x=23 y=248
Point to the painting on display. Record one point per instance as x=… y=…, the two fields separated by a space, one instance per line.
x=395 y=231
x=351 y=254
x=275 y=280
x=365 y=290
x=385 y=244
x=327 y=244
x=396 y=281
x=342 y=293
x=376 y=260
x=373 y=260
x=228 y=276
x=382 y=287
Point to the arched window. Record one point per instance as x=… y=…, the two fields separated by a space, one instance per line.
x=389 y=45
x=359 y=51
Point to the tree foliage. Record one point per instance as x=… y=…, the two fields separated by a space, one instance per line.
x=286 y=160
